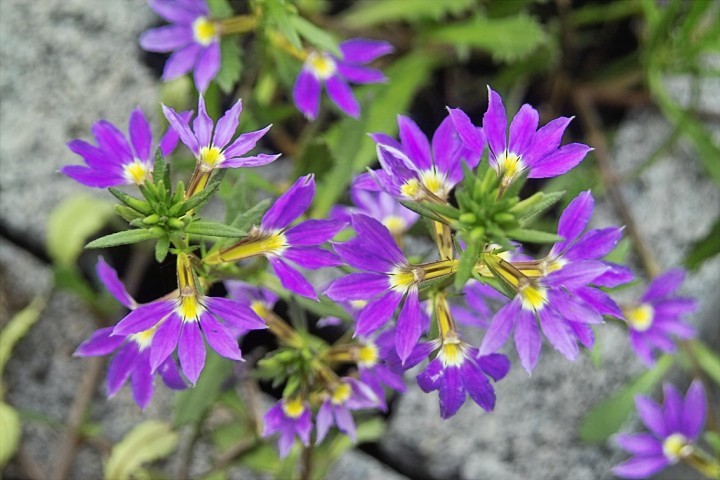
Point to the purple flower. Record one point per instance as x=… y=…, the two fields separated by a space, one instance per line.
x=388 y=278
x=260 y=299
x=345 y=395
x=115 y=161
x=210 y=147
x=182 y=322
x=290 y=418
x=279 y=242
x=459 y=369
x=192 y=36
x=674 y=428
x=477 y=313
x=526 y=147
x=413 y=168
x=657 y=318
x=374 y=370
x=132 y=361
x=322 y=68
x=380 y=206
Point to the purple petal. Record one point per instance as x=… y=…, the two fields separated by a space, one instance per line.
x=614 y=276
x=546 y=141
x=227 y=126
x=323 y=421
x=290 y=205
x=527 y=340
x=595 y=244
x=235 y=313
x=409 y=326
x=414 y=142
x=429 y=379
x=559 y=333
x=341 y=95
x=495 y=124
x=452 y=392
x=166 y=38
x=245 y=142
x=641 y=467
x=644 y=444
x=500 y=328
x=361 y=75
x=182 y=127
x=382 y=139
x=313 y=232
x=357 y=286
x=674 y=307
x=292 y=279
x=219 y=338
x=110 y=139
x=469 y=133
x=165 y=340
x=664 y=285
x=120 y=368
x=175 y=12
x=445 y=142
x=306 y=94
x=572 y=308
x=600 y=301
x=191 y=351
x=563 y=160
x=344 y=421
x=140 y=134
x=304 y=426
x=181 y=62
x=495 y=365
x=361 y=50
x=143 y=318
x=203 y=124
x=169 y=141
x=574 y=219
x=141 y=381
x=285 y=443
x=477 y=386
x=577 y=274
x=652 y=416
x=312 y=257
x=374 y=233
x=208 y=65
x=170 y=374
x=93 y=178
x=694 y=411
x=377 y=313
x=522 y=129
x=673 y=408
x=101 y=342
x=109 y=277
x=95 y=157
x=584 y=333
x=246 y=162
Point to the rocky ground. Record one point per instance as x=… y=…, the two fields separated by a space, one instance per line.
x=67 y=63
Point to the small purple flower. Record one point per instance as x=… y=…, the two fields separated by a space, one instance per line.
x=380 y=206
x=279 y=242
x=460 y=370
x=210 y=147
x=115 y=161
x=260 y=299
x=374 y=370
x=414 y=168
x=192 y=36
x=674 y=428
x=132 y=361
x=657 y=318
x=322 y=68
x=388 y=278
x=346 y=395
x=290 y=418
x=182 y=322
x=526 y=147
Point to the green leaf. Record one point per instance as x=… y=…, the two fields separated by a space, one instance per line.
x=192 y=405
x=536 y=204
x=230 y=66
x=71 y=223
x=248 y=218
x=705 y=248
x=151 y=440
x=367 y=13
x=316 y=36
x=608 y=416
x=124 y=238
x=135 y=203
x=468 y=259
x=706 y=358
x=17 y=327
x=162 y=247
x=713 y=439
x=220 y=8
x=160 y=168
x=423 y=210
x=10 y=437
x=533 y=236
x=209 y=228
x=506 y=39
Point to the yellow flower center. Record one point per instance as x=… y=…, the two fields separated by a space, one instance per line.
x=640 y=318
x=341 y=394
x=204 y=31
x=533 y=297
x=136 y=172
x=144 y=338
x=190 y=308
x=411 y=189
x=452 y=352
x=402 y=279
x=395 y=224
x=293 y=408
x=211 y=157
x=259 y=307
x=367 y=355
x=676 y=447
x=435 y=183
x=510 y=165
x=322 y=66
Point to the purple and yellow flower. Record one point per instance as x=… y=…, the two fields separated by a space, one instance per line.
x=211 y=143
x=387 y=279
x=416 y=169
x=281 y=243
x=525 y=147
x=345 y=395
x=182 y=321
x=658 y=317
x=192 y=36
x=132 y=361
x=381 y=206
x=674 y=429
x=290 y=418
x=115 y=161
x=322 y=68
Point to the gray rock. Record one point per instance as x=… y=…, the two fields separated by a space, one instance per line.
x=356 y=465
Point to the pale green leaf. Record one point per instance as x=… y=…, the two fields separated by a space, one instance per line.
x=125 y=237
x=533 y=236
x=230 y=65
x=367 y=13
x=10 y=436
x=71 y=223
x=17 y=327
x=209 y=228
x=707 y=359
x=148 y=441
x=220 y=8
x=316 y=36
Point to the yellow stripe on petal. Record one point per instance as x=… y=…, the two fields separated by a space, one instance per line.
x=533 y=297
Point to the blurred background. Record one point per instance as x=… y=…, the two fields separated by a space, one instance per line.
x=641 y=78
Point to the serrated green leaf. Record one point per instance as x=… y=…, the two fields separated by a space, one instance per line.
x=608 y=416
x=506 y=39
x=10 y=437
x=17 y=327
x=192 y=405
x=159 y=167
x=468 y=259
x=248 y=218
x=533 y=236
x=705 y=248
x=230 y=66
x=71 y=223
x=316 y=36
x=209 y=228
x=707 y=359
x=125 y=237
x=148 y=441
x=162 y=247
x=366 y=13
